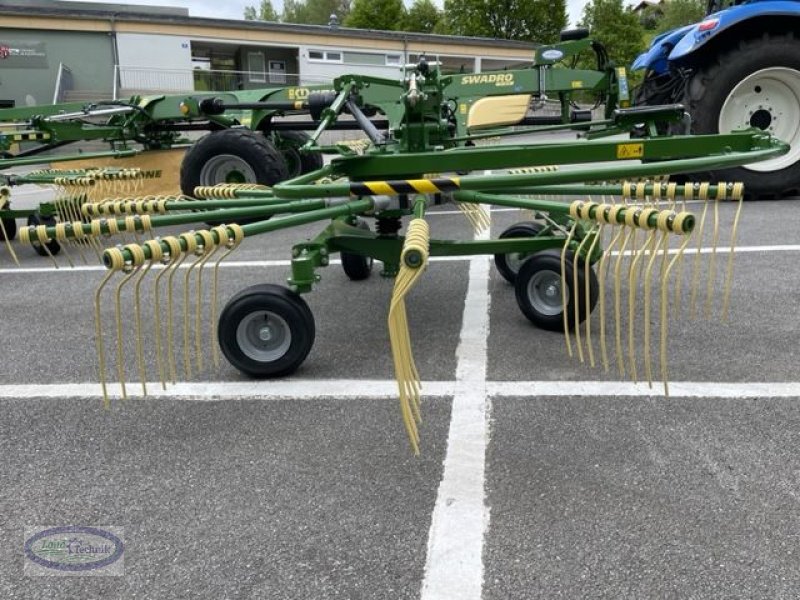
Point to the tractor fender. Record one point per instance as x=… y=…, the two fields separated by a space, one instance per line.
x=682 y=44
x=656 y=56
x=700 y=34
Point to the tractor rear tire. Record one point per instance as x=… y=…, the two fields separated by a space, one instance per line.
x=266 y=330
x=231 y=156
x=756 y=83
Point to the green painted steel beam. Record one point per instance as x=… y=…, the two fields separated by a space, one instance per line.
x=744 y=148
x=349 y=208
x=686 y=153
x=16 y=162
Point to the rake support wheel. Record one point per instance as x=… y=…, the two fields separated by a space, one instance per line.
x=356 y=266
x=53 y=246
x=508 y=264
x=538 y=289
x=266 y=330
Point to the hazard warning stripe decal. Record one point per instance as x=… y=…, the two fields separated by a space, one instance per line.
x=405 y=186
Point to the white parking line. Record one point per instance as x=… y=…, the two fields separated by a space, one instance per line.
x=231 y=264
x=454 y=564
x=627 y=389
x=267 y=390
x=377 y=389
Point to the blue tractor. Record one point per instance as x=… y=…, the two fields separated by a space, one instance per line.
x=738 y=68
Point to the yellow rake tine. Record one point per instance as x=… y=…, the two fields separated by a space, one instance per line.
x=8 y=243
x=663 y=319
x=210 y=248
x=618 y=301
x=118 y=314
x=661 y=248
x=63 y=240
x=712 y=263
x=191 y=247
x=587 y=288
x=576 y=296
x=737 y=194
x=676 y=227
x=116 y=266
x=157 y=256
x=703 y=195
x=688 y=194
x=238 y=236
x=417 y=240
x=173 y=367
x=635 y=219
x=602 y=271
x=564 y=300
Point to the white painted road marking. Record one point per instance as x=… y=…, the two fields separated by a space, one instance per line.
x=379 y=389
x=241 y=264
x=454 y=564
x=231 y=264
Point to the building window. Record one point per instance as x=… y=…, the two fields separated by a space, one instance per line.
x=277 y=71
x=324 y=56
x=392 y=60
x=256 y=67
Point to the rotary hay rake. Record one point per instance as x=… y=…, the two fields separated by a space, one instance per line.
x=73 y=188
x=249 y=139
x=628 y=233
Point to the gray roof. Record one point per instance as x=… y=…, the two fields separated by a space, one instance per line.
x=33 y=6
x=180 y=16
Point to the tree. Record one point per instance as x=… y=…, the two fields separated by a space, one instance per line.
x=377 y=14
x=528 y=20
x=617 y=28
x=265 y=12
x=423 y=17
x=314 y=12
x=678 y=13
x=651 y=15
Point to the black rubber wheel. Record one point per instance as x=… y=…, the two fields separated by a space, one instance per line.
x=355 y=266
x=266 y=330
x=755 y=83
x=538 y=290
x=53 y=246
x=297 y=163
x=658 y=90
x=508 y=265
x=10 y=228
x=231 y=156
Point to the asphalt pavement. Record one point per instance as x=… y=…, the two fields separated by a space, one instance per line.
x=590 y=489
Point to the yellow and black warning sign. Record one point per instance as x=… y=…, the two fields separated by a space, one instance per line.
x=630 y=151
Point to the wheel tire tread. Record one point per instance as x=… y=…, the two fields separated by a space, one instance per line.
x=706 y=81
x=292 y=301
